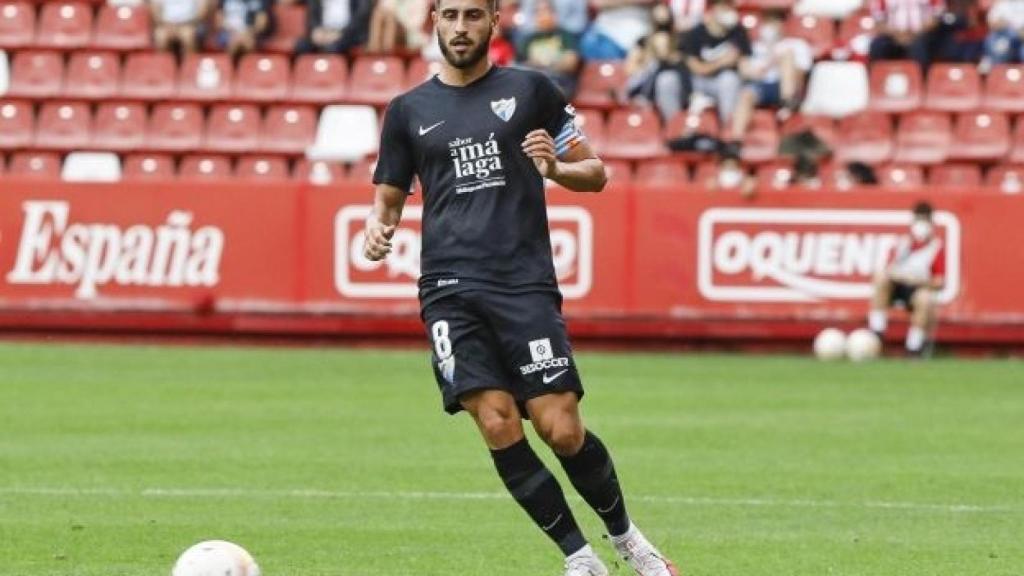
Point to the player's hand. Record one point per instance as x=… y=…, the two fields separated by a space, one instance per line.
x=540 y=147
x=378 y=239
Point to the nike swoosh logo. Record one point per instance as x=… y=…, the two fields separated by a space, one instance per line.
x=553 y=377
x=423 y=131
x=608 y=509
x=552 y=525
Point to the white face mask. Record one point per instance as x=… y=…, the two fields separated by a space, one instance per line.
x=769 y=33
x=728 y=18
x=921 y=230
x=730 y=178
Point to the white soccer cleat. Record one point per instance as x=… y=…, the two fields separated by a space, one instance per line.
x=585 y=563
x=641 y=555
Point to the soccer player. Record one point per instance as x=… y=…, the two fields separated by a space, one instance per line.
x=481 y=139
x=917 y=270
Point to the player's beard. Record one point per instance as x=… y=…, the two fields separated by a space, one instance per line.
x=469 y=59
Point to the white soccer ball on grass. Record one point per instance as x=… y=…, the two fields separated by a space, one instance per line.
x=830 y=344
x=216 y=558
x=862 y=345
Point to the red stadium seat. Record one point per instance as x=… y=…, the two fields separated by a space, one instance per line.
x=1004 y=89
x=289 y=26
x=262 y=78
x=149 y=76
x=901 y=176
x=205 y=167
x=958 y=176
x=319 y=78
x=865 y=137
x=205 y=77
x=1007 y=178
x=36 y=74
x=318 y=172
x=662 y=171
x=233 y=128
x=684 y=124
x=17 y=24
x=42 y=165
x=148 y=167
x=761 y=142
x=637 y=134
x=619 y=171
x=820 y=33
x=375 y=80
x=175 y=127
x=64 y=25
x=361 y=172
x=122 y=28
x=953 y=88
x=777 y=175
x=857 y=28
x=119 y=126
x=824 y=127
x=262 y=168
x=92 y=75
x=1016 y=155
x=63 y=126
x=923 y=137
x=17 y=124
x=600 y=83
x=591 y=122
x=288 y=129
x=981 y=136
x=420 y=70
x=895 y=86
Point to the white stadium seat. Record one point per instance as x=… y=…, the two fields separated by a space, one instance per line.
x=345 y=133
x=837 y=9
x=91 y=167
x=5 y=73
x=837 y=89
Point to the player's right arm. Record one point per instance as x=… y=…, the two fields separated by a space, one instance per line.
x=393 y=180
x=380 y=226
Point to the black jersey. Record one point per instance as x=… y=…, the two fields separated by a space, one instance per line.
x=484 y=217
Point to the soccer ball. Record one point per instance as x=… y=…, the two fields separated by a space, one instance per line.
x=863 y=344
x=215 y=558
x=830 y=344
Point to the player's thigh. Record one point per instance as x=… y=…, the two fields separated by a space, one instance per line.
x=464 y=352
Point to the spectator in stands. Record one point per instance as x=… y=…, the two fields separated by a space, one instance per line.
x=178 y=24
x=1006 y=25
x=616 y=29
x=335 y=26
x=714 y=51
x=242 y=24
x=551 y=49
x=655 y=69
x=687 y=14
x=571 y=16
x=960 y=33
x=904 y=29
x=397 y=23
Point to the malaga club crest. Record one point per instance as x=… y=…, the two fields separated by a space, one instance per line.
x=504 y=108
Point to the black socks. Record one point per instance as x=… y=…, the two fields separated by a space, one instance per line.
x=537 y=491
x=593 y=474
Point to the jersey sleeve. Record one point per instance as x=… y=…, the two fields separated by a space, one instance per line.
x=557 y=116
x=395 y=164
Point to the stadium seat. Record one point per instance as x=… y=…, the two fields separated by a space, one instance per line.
x=119 y=126
x=17 y=24
x=358 y=122
x=63 y=126
x=233 y=128
x=837 y=9
x=856 y=32
x=600 y=83
x=205 y=77
x=175 y=127
x=662 y=172
x=591 y=122
x=1009 y=179
x=17 y=124
x=376 y=80
x=953 y=88
x=318 y=172
x=288 y=129
x=823 y=127
x=122 y=28
x=1016 y=155
x=761 y=142
x=923 y=137
x=361 y=172
x=148 y=167
x=980 y=136
x=837 y=89
x=5 y=73
x=901 y=176
x=91 y=167
x=619 y=171
x=149 y=76
x=92 y=75
x=955 y=176
x=262 y=78
x=1004 y=89
x=64 y=25
x=896 y=86
x=775 y=175
x=205 y=167
x=420 y=70
x=262 y=168
x=289 y=26
x=637 y=135
x=820 y=33
x=865 y=137
x=43 y=165
x=685 y=124
x=319 y=79
x=36 y=74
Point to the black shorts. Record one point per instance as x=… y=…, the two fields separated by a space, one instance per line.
x=903 y=294
x=515 y=342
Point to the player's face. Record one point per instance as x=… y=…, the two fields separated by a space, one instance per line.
x=464 y=29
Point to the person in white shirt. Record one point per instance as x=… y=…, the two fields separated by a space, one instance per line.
x=1006 y=29
x=178 y=23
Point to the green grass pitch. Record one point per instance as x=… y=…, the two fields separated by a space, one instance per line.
x=328 y=462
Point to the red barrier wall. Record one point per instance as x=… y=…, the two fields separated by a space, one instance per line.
x=655 y=262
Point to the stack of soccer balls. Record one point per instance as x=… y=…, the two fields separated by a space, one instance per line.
x=861 y=345
x=215 y=558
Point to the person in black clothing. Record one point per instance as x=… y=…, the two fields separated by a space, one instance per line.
x=481 y=140
x=335 y=26
x=240 y=25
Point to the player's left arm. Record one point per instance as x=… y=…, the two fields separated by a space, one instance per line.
x=577 y=168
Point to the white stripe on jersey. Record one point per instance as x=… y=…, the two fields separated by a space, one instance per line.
x=914 y=263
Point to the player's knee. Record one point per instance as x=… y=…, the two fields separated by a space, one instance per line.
x=922 y=299
x=500 y=425
x=565 y=438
